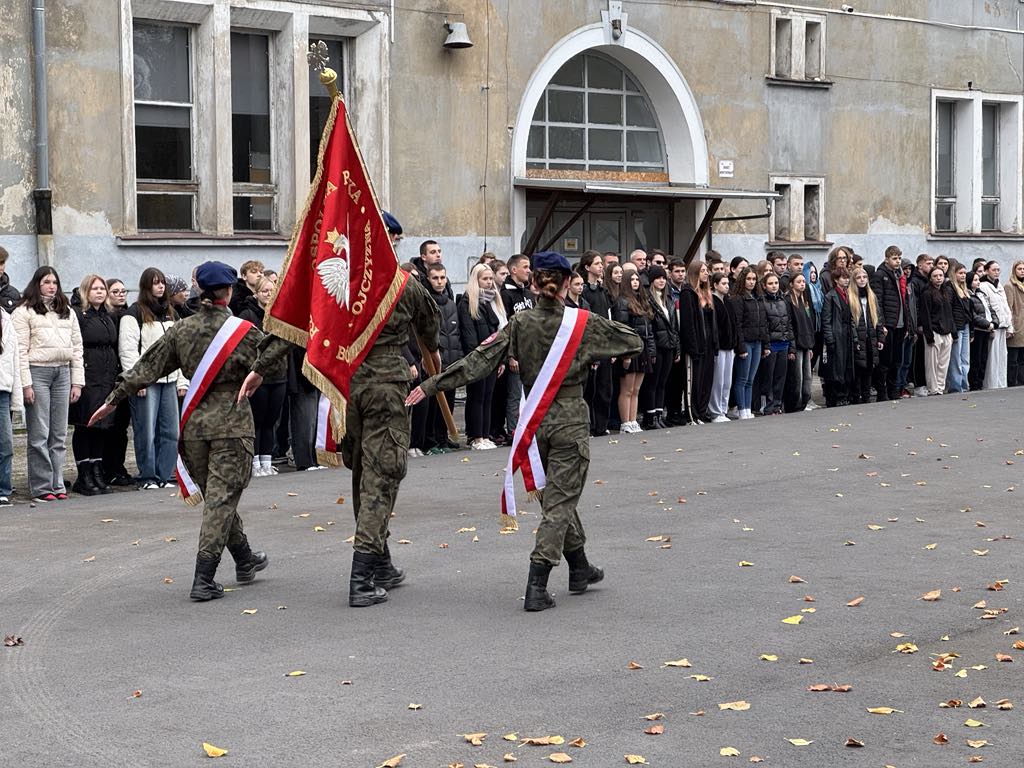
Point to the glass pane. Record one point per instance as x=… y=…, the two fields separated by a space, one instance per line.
x=601 y=73
x=643 y=147
x=538 y=113
x=165 y=212
x=335 y=60
x=250 y=107
x=565 y=143
x=535 y=144
x=163 y=153
x=944 y=148
x=571 y=73
x=645 y=168
x=989 y=213
x=605 y=145
x=565 y=107
x=567 y=166
x=253 y=214
x=161 y=62
x=944 y=217
x=320 y=102
x=647 y=232
x=534 y=166
x=638 y=112
x=990 y=149
x=604 y=108
x=631 y=84
x=606 y=234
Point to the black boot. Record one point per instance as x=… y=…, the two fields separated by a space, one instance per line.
x=581 y=573
x=648 y=421
x=385 y=573
x=85 y=484
x=203 y=586
x=659 y=419
x=247 y=562
x=361 y=589
x=537 y=596
x=97 y=477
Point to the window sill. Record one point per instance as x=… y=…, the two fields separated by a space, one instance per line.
x=784 y=81
x=800 y=245
x=976 y=237
x=199 y=239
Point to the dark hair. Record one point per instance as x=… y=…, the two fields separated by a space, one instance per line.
x=3 y=255
x=614 y=291
x=549 y=282
x=588 y=258
x=636 y=300
x=438 y=267
x=214 y=294
x=923 y=257
x=739 y=285
x=736 y=261
x=149 y=304
x=893 y=250
x=32 y=297
x=424 y=244
x=774 y=256
x=713 y=257
x=717 y=277
x=676 y=262
x=841 y=272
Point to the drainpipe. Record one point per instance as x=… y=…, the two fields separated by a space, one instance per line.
x=42 y=193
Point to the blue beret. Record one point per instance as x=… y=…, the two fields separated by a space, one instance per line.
x=551 y=260
x=215 y=274
x=391 y=223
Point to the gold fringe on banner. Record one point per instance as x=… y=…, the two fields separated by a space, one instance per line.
x=193 y=500
x=509 y=523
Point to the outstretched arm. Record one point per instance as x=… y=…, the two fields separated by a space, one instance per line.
x=476 y=365
x=159 y=360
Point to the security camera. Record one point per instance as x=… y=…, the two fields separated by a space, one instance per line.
x=847 y=8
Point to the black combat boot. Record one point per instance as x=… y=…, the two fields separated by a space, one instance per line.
x=203 y=586
x=581 y=573
x=247 y=562
x=648 y=422
x=361 y=589
x=659 y=419
x=84 y=483
x=385 y=573
x=97 y=477
x=537 y=596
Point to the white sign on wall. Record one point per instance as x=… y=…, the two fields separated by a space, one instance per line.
x=725 y=169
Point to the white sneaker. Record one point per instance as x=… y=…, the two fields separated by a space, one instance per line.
x=720 y=419
x=733 y=413
x=812 y=406
x=921 y=392
x=415 y=453
x=314 y=469
x=478 y=445
x=626 y=428
x=490 y=444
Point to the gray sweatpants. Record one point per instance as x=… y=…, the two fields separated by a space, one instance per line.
x=47 y=422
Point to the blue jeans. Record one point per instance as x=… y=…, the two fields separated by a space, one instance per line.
x=908 y=359
x=155 y=428
x=6 y=444
x=744 y=373
x=959 y=361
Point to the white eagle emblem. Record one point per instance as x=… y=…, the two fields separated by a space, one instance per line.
x=334 y=272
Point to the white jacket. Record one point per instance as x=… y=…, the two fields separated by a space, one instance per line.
x=10 y=370
x=48 y=341
x=133 y=341
x=1001 y=314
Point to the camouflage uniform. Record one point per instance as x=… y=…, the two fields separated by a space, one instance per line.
x=217 y=444
x=376 y=443
x=562 y=438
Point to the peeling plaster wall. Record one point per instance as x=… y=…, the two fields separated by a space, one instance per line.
x=17 y=138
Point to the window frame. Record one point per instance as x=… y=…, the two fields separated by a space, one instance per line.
x=798 y=66
x=154 y=187
x=797 y=209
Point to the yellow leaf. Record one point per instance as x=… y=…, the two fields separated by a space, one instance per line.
x=736 y=706
x=980 y=552
x=250 y=611
x=971 y=723
x=318 y=529
x=169 y=539
x=655 y=538
x=636 y=759
x=883 y=710
x=168 y=580
x=543 y=741
x=392 y=762
x=931 y=597
x=634 y=665
x=559 y=757
x=678 y=663
x=466 y=530
x=656 y=715
x=806 y=661
x=978 y=703
x=808 y=610
x=961 y=673
x=578 y=742
x=476 y=739
x=296 y=673
x=1004 y=704
x=745 y=564
x=769 y=657
x=792 y=619
x=212 y=751
x=415 y=706
x=511 y=736
x=906 y=648
x=874 y=527
x=701 y=678
x=855 y=602
x=89 y=559
x=800 y=742
x=729 y=752
x=508 y=757
x=977 y=743
x=303 y=515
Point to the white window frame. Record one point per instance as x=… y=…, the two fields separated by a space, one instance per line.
x=796 y=222
x=799 y=66
x=968 y=177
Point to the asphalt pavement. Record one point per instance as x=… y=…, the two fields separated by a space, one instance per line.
x=885 y=502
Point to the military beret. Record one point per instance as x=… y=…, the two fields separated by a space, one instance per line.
x=215 y=274
x=391 y=223
x=551 y=260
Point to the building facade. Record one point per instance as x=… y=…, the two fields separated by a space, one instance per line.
x=182 y=130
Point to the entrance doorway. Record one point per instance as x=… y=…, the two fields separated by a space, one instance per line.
x=607 y=226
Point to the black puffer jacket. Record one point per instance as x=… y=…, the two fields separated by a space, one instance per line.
x=449 y=337
x=981 y=316
x=936 y=314
x=728 y=325
x=474 y=332
x=666 y=329
x=598 y=299
x=693 y=330
x=865 y=339
x=101 y=361
x=886 y=285
x=961 y=307
x=255 y=314
x=9 y=296
x=753 y=322
x=642 y=325
x=780 y=326
x=804 y=322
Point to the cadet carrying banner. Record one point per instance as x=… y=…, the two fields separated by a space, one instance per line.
x=340 y=280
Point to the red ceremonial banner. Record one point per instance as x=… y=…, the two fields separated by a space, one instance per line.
x=340 y=280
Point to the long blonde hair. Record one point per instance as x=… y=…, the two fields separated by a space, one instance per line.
x=473 y=295
x=854 y=299
x=86 y=286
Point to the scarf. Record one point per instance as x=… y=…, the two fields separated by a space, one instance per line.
x=487 y=295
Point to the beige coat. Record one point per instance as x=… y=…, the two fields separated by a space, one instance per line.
x=10 y=370
x=1015 y=298
x=48 y=341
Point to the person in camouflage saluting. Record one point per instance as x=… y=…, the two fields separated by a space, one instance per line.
x=377 y=432
x=563 y=435
x=216 y=445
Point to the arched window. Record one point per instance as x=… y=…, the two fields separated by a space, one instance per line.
x=594 y=117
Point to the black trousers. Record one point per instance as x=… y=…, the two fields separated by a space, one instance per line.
x=775 y=367
x=890 y=358
x=437 y=429
x=115 y=442
x=1014 y=366
x=87 y=443
x=498 y=403
x=598 y=394
x=860 y=392
x=652 y=390
x=302 y=413
x=266 y=403
x=701 y=370
x=917 y=369
x=675 y=389
x=979 y=360
x=479 y=401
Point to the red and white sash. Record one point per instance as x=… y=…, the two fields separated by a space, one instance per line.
x=326 y=448
x=220 y=349
x=524 y=454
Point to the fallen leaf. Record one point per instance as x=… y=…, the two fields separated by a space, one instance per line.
x=940 y=738
x=466 y=530
x=980 y=552
x=212 y=751
x=796 y=580
x=756 y=759
x=578 y=742
x=729 y=752
x=302 y=515
x=89 y=559
x=735 y=706
x=845 y=688
x=951 y=704
x=291 y=493
x=855 y=602
x=800 y=742
x=805 y=661
x=169 y=539
x=906 y=648
x=808 y=610
x=875 y=527
x=543 y=741
x=930 y=546
x=655 y=730
x=975 y=759
x=854 y=743
x=698 y=713
x=961 y=673
x=654 y=716
x=977 y=743
x=808 y=598
x=168 y=580
x=1004 y=704
x=678 y=663
x=744 y=564
x=318 y=529
x=655 y=538
x=135 y=694
x=508 y=757
x=849 y=543
x=415 y=706
x=296 y=673
x=978 y=703
x=476 y=739
x=884 y=710
x=636 y=759
x=391 y=762
x=769 y=657
x=634 y=665
x=559 y=757
x=931 y=597
x=819 y=687
x=793 y=619
x=404 y=541
x=701 y=678
x=1004 y=657
x=975 y=724
x=108 y=520
x=250 y=611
